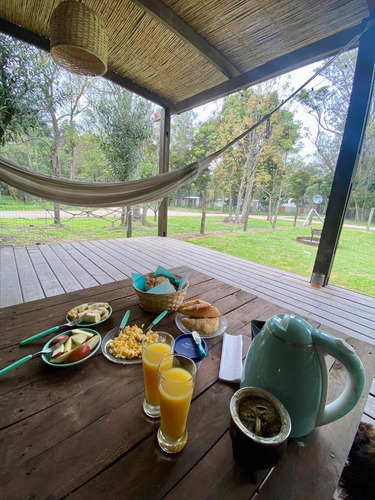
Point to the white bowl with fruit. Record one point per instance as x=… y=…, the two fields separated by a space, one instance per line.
x=80 y=344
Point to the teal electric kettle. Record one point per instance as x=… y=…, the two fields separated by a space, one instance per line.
x=287 y=358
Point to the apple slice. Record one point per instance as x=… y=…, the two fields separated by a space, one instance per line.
x=58 y=339
x=58 y=351
x=79 y=339
x=80 y=352
x=77 y=331
x=93 y=342
x=60 y=359
x=68 y=346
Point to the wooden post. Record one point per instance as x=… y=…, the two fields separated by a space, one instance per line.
x=165 y=131
x=347 y=161
x=370 y=219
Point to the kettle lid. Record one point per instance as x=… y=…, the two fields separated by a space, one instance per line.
x=290 y=328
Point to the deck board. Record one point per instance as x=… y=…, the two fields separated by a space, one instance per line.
x=36 y=272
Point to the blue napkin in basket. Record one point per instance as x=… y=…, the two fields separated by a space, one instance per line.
x=140 y=282
x=179 y=284
x=164 y=287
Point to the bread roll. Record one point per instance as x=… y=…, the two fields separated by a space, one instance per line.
x=204 y=326
x=153 y=282
x=199 y=309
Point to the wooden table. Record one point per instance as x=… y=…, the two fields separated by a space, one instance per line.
x=81 y=432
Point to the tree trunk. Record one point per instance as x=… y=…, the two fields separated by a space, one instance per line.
x=55 y=160
x=144 y=214
x=203 y=220
x=240 y=195
x=269 y=215
x=129 y=222
x=248 y=195
x=357 y=211
x=296 y=215
x=56 y=214
x=13 y=194
x=277 y=209
x=123 y=217
x=230 y=201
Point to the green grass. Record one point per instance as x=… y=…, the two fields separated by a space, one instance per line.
x=29 y=232
x=354 y=266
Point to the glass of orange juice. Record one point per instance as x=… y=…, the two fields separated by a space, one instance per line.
x=155 y=346
x=176 y=384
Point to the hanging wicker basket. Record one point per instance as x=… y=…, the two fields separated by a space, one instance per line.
x=79 y=40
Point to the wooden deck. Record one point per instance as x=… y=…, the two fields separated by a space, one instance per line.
x=34 y=272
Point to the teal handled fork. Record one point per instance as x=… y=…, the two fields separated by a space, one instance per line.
x=31 y=356
x=74 y=322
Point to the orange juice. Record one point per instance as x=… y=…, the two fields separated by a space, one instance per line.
x=176 y=388
x=151 y=358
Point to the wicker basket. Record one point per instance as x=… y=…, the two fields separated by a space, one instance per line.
x=79 y=40
x=157 y=303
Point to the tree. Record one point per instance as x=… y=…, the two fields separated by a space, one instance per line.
x=18 y=95
x=298 y=182
x=329 y=104
x=125 y=123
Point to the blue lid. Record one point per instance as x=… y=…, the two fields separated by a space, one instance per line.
x=184 y=344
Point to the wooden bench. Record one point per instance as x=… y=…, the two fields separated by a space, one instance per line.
x=318 y=232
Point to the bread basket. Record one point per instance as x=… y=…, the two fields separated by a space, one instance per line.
x=157 y=303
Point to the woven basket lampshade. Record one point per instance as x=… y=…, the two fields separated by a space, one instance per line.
x=79 y=40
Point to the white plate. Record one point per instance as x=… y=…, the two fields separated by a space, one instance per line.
x=110 y=336
x=223 y=323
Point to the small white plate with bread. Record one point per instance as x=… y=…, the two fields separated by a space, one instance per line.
x=202 y=317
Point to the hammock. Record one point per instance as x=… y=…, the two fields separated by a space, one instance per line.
x=109 y=194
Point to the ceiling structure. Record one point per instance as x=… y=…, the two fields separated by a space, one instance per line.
x=184 y=53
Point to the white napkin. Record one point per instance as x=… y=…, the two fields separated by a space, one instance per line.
x=231 y=358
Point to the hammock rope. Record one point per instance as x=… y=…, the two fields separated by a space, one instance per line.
x=117 y=194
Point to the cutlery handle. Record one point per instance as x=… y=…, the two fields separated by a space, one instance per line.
x=159 y=318
x=39 y=335
x=14 y=365
x=201 y=350
x=124 y=320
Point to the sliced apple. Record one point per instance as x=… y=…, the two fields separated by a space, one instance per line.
x=60 y=359
x=93 y=342
x=77 y=331
x=79 y=339
x=58 y=351
x=68 y=346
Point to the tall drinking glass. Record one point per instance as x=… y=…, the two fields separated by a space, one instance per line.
x=155 y=346
x=176 y=384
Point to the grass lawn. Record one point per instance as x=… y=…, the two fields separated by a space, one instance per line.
x=354 y=266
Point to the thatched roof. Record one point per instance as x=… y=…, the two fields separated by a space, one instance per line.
x=182 y=53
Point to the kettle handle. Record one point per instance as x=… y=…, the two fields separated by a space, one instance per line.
x=355 y=376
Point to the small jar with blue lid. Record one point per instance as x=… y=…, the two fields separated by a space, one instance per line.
x=184 y=344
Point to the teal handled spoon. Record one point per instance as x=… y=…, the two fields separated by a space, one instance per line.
x=198 y=341
x=74 y=322
x=31 y=356
x=156 y=320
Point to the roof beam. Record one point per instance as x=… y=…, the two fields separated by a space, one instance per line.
x=311 y=53
x=41 y=42
x=183 y=30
